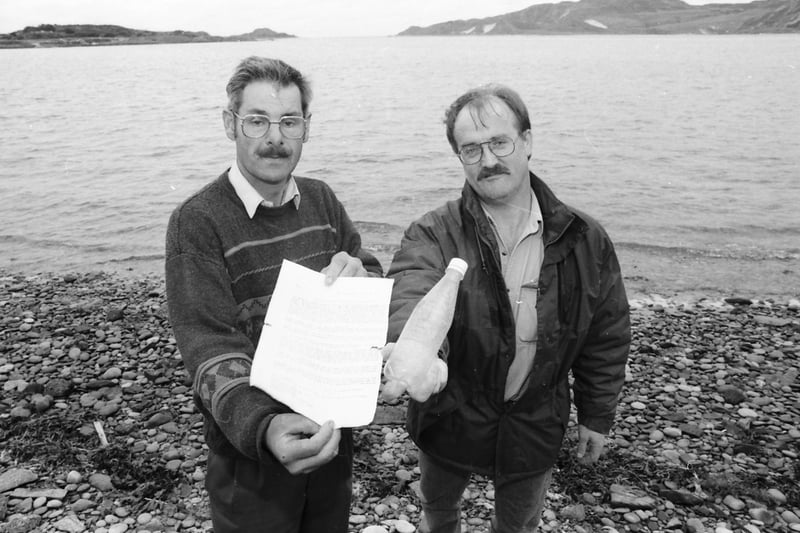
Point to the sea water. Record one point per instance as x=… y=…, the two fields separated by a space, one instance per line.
x=679 y=144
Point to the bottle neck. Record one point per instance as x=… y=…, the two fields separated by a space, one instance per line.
x=454 y=274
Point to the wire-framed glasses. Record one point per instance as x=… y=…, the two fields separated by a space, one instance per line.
x=501 y=146
x=256 y=126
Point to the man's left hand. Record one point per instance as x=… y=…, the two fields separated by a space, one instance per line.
x=590 y=445
x=344 y=265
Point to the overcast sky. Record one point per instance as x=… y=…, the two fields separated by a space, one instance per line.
x=304 y=18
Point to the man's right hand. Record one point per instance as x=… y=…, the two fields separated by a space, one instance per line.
x=435 y=380
x=300 y=444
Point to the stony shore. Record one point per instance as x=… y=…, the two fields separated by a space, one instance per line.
x=98 y=431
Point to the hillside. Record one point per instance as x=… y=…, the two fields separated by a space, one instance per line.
x=55 y=35
x=629 y=17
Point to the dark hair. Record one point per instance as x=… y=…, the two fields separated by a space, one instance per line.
x=256 y=68
x=479 y=99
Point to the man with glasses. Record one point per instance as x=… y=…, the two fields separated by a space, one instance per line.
x=543 y=297
x=269 y=469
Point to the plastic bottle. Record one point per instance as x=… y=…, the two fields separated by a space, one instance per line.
x=414 y=365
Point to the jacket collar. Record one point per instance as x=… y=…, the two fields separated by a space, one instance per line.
x=557 y=216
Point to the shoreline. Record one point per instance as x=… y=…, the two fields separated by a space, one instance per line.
x=667 y=280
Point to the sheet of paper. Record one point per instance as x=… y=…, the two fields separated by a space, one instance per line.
x=319 y=351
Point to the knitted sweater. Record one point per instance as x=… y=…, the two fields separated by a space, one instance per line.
x=221 y=270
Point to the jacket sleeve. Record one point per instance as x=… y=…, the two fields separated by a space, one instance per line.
x=599 y=370
x=216 y=353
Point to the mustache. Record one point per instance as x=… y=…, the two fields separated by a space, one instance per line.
x=487 y=172
x=274 y=151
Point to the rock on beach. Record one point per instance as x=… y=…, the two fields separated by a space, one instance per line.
x=100 y=434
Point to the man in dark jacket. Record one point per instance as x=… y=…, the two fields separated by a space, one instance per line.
x=543 y=296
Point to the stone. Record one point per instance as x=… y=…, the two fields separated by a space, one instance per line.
x=114 y=313
x=736 y=300
x=733 y=503
x=53 y=494
x=632 y=518
x=70 y=524
x=101 y=482
x=20 y=412
x=81 y=505
x=15 y=477
x=111 y=373
x=776 y=496
x=576 y=513
x=695 y=525
x=681 y=496
x=58 y=388
x=731 y=394
x=692 y=430
x=158 y=419
x=22 y=523
x=762 y=515
x=144 y=519
x=627 y=496
x=403 y=526
x=772 y=321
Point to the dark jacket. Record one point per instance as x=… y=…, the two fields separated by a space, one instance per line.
x=583 y=326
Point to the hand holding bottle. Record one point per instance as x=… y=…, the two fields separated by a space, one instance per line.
x=434 y=382
x=412 y=364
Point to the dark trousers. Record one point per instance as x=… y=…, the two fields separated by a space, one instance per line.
x=518 y=502
x=252 y=497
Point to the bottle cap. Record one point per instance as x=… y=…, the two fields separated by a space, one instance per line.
x=459 y=265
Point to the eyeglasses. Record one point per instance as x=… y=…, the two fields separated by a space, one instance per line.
x=256 y=126
x=470 y=154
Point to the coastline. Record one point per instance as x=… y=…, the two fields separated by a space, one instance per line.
x=687 y=279
x=667 y=279
x=707 y=432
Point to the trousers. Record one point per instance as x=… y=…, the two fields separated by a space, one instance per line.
x=518 y=502
x=246 y=496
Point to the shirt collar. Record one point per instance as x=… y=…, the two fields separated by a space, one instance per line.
x=251 y=198
x=534 y=223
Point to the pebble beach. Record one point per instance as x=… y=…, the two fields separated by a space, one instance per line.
x=98 y=432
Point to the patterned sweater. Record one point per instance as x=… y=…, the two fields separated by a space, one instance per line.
x=221 y=270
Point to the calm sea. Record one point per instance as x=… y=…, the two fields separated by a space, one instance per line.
x=680 y=145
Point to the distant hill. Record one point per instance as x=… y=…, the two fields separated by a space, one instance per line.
x=56 y=35
x=629 y=17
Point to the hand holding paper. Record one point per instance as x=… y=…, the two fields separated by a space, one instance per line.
x=317 y=349
x=343 y=265
x=300 y=444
